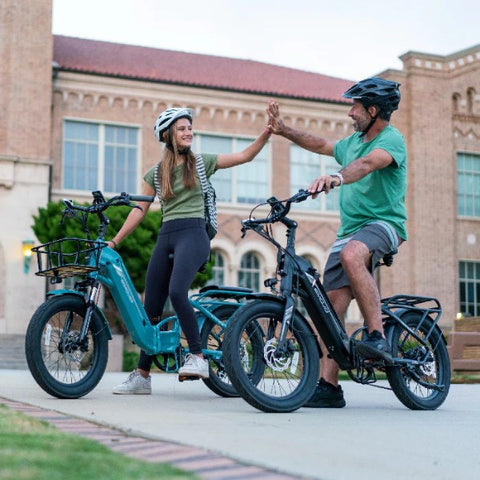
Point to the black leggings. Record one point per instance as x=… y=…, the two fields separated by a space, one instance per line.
x=182 y=248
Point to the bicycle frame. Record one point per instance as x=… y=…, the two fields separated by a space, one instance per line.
x=106 y=267
x=271 y=350
x=67 y=337
x=299 y=277
x=153 y=339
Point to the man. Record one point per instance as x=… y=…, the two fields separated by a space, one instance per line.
x=372 y=181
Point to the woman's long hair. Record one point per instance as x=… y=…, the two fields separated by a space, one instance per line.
x=168 y=161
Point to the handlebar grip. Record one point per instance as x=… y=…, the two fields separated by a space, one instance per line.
x=142 y=198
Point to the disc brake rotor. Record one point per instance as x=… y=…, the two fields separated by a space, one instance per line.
x=71 y=347
x=278 y=364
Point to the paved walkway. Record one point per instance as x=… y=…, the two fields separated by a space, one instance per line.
x=185 y=424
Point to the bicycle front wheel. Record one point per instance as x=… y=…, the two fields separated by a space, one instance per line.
x=270 y=380
x=59 y=362
x=423 y=383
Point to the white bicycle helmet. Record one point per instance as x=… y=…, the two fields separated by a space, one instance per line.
x=168 y=118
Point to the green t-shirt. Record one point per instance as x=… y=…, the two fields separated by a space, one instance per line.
x=187 y=203
x=381 y=194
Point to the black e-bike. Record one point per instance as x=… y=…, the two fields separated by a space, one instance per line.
x=279 y=373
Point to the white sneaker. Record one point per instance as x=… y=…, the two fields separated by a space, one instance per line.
x=194 y=366
x=135 y=384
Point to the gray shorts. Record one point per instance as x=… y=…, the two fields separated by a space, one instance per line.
x=379 y=237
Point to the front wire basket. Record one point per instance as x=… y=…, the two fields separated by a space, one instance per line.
x=68 y=257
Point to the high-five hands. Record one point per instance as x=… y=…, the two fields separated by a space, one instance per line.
x=275 y=122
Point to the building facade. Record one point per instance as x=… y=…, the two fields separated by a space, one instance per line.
x=78 y=116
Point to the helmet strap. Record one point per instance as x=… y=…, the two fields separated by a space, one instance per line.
x=372 y=121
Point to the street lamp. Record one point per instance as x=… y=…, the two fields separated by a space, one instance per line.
x=27 y=246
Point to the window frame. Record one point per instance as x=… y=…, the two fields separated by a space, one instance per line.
x=234 y=171
x=218 y=270
x=250 y=271
x=464 y=282
x=472 y=197
x=101 y=144
x=320 y=205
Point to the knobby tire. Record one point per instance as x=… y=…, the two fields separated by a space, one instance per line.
x=415 y=385
x=266 y=380
x=59 y=366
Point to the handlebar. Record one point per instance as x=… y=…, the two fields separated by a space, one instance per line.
x=279 y=209
x=142 y=198
x=99 y=205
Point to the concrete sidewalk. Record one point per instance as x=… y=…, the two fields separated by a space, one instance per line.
x=374 y=437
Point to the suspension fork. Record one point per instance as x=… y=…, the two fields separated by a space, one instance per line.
x=286 y=322
x=286 y=271
x=91 y=302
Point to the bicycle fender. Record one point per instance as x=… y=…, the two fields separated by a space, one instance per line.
x=63 y=292
x=264 y=296
x=391 y=322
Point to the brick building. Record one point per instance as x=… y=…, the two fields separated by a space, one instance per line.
x=77 y=115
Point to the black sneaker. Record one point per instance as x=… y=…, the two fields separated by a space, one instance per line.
x=326 y=395
x=374 y=347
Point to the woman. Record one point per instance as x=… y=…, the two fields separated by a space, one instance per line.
x=183 y=245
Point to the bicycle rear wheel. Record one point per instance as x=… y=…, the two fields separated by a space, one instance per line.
x=59 y=363
x=266 y=379
x=212 y=339
x=422 y=385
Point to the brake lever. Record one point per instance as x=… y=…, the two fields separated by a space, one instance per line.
x=68 y=211
x=300 y=196
x=252 y=225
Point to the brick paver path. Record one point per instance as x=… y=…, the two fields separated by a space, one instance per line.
x=205 y=464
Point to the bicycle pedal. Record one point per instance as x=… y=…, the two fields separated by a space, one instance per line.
x=182 y=378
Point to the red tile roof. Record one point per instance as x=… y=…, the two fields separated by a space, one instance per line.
x=168 y=66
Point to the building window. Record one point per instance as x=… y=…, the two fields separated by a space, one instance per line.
x=469 y=275
x=468 y=185
x=247 y=183
x=305 y=166
x=100 y=157
x=218 y=270
x=249 y=272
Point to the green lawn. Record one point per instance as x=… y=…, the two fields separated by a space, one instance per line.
x=32 y=449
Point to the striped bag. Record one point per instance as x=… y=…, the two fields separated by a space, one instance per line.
x=209 y=197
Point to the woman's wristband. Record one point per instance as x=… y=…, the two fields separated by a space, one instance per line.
x=114 y=243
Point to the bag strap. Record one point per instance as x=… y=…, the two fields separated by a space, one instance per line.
x=208 y=197
x=202 y=174
x=158 y=189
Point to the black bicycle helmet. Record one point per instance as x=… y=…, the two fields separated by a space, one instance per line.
x=168 y=118
x=376 y=91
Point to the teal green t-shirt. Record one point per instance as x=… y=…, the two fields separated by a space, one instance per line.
x=187 y=203
x=381 y=194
